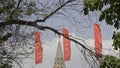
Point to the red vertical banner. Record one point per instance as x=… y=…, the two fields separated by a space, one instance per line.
x=98 y=40
x=66 y=45
x=38 y=48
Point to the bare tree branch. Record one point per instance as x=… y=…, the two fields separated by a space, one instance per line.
x=34 y=24
x=52 y=13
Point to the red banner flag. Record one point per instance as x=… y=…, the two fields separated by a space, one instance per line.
x=98 y=40
x=66 y=45
x=38 y=49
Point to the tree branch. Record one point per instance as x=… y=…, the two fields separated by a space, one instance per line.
x=52 y=13
x=57 y=32
x=34 y=24
x=15 y=9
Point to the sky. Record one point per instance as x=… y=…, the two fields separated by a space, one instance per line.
x=82 y=29
x=77 y=59
x=50 y=42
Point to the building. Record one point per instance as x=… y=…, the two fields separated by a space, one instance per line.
x=59 y=60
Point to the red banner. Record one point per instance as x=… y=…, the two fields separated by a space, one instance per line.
x=98 y=40
x=66 y=45
x=38 y=49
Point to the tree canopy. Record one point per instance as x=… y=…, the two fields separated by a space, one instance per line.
x=109 y=11
x=110 y=62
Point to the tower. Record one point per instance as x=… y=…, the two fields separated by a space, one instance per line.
x=59 y=60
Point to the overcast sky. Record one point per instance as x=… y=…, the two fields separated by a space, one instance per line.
x=83 y=29
x=50 y=42
x=77 y=60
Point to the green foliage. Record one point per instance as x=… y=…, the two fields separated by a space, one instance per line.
x=116 y=40
x=110 y=62
x=91 y=5
x=109 y=10
x=6 y=6
x=30 y=8
x=12 y=9
x=4 y=38
x=110 y=13
x=6 y=64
